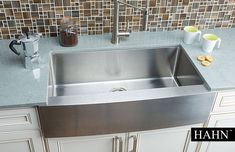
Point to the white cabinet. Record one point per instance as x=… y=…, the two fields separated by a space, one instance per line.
x=21 y=141
x=19 y=131
x=225 y=102
x=99 y=143
x=220 y=120
x=222 y=115
x=18 y=119
x=163 y=140
x=166 y=140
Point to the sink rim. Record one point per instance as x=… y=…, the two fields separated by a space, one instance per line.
x=127 y=96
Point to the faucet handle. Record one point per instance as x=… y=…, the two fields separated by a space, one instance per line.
x=128 y=28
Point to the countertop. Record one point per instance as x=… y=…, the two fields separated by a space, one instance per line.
x=19 y=87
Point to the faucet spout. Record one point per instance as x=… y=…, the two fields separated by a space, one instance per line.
x=115 y=32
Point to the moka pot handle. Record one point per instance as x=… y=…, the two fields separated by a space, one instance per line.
x=11 y=46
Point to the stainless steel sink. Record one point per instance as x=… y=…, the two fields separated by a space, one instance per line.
x=110 y=91
x=120 y=70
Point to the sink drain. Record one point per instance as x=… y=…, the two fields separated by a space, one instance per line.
x=118 y=89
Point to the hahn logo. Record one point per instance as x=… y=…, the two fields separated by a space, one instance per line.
x=213 y=134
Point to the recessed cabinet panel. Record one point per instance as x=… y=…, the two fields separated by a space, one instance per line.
x=23 y=141
x=20 y=119
x=23 y=145
x=160 y=140
x=225 y=102
x=221 y=120
x=167 y=140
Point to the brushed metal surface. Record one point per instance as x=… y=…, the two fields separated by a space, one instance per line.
x=94 y=119
x=102 y=71
x=102 y=92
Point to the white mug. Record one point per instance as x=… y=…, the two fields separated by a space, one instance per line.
x=210 y=41
x=191 y=33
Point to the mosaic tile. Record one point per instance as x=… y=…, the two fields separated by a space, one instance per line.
x=95 y=16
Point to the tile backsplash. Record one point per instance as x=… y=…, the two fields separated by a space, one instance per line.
x=95 y=16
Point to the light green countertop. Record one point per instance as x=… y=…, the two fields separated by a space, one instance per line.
x=18 y=87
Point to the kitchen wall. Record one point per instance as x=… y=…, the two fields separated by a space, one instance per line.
x=95 y=16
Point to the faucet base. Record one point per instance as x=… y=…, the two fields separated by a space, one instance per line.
x=115 y=40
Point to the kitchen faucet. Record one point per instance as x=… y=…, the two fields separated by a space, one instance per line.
x=115 y=32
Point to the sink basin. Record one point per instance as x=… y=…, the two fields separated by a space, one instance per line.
x=120 y=70
x=112 y=91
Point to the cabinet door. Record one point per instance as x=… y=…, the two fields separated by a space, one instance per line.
x=18 y=119
x=23 y=141
x=220 y=120
x=165 y=140
x=98 y=143
x=225 y=102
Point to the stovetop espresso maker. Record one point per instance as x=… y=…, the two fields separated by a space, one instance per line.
x=29 y=44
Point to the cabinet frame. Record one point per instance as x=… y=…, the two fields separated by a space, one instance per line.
x=212 y=122
x=33 y=138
